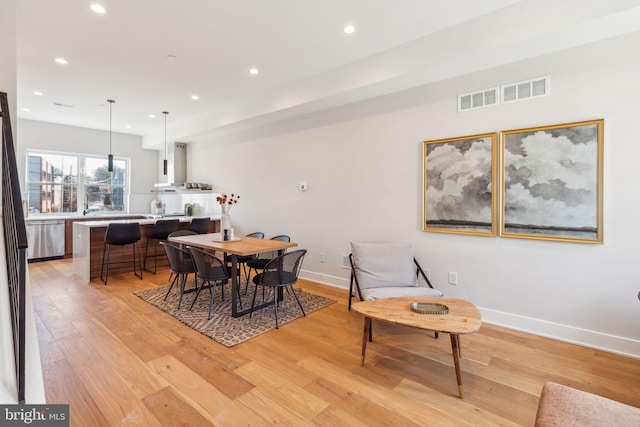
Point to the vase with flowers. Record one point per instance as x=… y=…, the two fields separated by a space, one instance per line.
x=226 y=201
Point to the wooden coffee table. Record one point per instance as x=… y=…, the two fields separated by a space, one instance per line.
x=462 y=318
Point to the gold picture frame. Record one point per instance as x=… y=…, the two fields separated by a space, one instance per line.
x=551 y=179
x=459 y=176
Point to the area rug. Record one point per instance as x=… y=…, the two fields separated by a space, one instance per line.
x=222 y=327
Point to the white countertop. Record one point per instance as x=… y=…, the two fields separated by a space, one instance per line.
x=105 y=222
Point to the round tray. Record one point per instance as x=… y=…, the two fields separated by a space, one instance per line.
x=237 y=239
x=429 y=308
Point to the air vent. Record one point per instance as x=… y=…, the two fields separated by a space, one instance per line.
x=526 y=89
x=483 y=98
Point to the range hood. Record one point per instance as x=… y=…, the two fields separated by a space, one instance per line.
x=177 y=167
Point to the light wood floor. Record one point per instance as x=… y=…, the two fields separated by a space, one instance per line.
x=119 y=361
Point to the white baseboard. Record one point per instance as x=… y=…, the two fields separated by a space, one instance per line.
x=566 y=333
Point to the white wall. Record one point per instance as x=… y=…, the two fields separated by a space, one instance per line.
x=34 y=387
x=56 y=137
x=363 y=166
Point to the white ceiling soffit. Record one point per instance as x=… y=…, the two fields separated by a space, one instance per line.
x=307 y=64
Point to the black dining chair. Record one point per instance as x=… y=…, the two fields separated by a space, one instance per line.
x=200 y=225
x=280 y=273
x=179 y=233
x=211 y=271
x=120 y=234
x=181 y=265
x=242 y=260
x=161 y=231
x=258 y=262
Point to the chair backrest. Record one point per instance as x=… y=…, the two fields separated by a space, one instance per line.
x=283 y=270
x=163 y=227
x=180 y=261
x=179 y=233
x=378 y=265
x=200 y=225
x=257 y=235
x=273 y=254
x=122 y=233
x=208 y=266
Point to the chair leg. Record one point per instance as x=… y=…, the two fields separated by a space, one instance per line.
x=199 y=289
x=173 y=282
x=136 y=248
x=212 y=296
x=275 y=305
x=183 y=283
x=102 y=277
x=253 y=302
x=146 y=255
x=295 y=294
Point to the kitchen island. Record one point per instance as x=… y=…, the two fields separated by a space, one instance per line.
x=88 y=244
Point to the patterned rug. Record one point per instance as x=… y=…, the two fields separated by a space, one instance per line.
x=222 y=327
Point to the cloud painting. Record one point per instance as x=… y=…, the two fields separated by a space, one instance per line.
x=458 y=193
x=551 y=181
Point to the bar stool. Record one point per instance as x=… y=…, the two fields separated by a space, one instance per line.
x=120 y=234
x=200 y=225
x=161 y=230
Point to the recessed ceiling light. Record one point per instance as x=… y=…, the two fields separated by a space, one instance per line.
x=98 y=8
x=37 y=93
x=254 y=71
x=195 y=97
x=152 y=116
x=348 y=29
x=62 y=61
x=26 y=110
x=127 y=126
x=171 y=57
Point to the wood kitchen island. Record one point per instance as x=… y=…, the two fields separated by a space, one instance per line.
x=88 y=244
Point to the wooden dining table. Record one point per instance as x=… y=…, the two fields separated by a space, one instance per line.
x=242 y=246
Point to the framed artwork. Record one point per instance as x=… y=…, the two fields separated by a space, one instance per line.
x=458 y=185
x=552 y=182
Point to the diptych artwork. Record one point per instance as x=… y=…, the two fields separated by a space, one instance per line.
x=552 y=182
x=547 y=182
x=458 y=185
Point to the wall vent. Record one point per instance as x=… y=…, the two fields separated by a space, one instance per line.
x=483 y=98
x=527 y=89
x=506 y=93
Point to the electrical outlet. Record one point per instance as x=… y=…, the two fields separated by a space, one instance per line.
x=345 y=261
x=453 y=278
x=323 y=257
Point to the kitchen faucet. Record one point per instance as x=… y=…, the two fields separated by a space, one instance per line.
x=86 y=204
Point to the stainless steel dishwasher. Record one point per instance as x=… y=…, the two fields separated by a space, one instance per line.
x=45 y=238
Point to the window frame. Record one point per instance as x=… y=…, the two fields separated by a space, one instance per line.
x=82 y=184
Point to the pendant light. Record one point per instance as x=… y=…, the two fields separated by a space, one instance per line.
x=110 y=163
x=165 y=163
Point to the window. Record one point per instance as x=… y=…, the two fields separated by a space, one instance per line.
x=59 y=183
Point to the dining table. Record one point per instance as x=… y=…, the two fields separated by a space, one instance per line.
x=240 y=246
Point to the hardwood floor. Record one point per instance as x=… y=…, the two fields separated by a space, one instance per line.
x=117 y=360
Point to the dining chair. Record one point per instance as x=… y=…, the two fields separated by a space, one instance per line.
x=280 y=273
x=179 y=233
x=181 y=265
x=242 y=260
x=161 y=231
x=120 y=234
x=259 y=262
x=211 y=271
x=200 y=225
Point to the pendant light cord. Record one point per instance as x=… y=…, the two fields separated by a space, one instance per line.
x=110 y=101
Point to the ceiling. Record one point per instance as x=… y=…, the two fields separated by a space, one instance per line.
x=306 y=62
